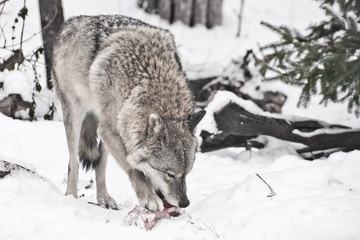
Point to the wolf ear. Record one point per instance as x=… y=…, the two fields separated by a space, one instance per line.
x=155 y=125
x=193 y=119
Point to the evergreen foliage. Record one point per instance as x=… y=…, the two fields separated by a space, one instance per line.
x=326 y=61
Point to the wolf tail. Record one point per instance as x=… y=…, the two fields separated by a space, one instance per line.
x=89 y=148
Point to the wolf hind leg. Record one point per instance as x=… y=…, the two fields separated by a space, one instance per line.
x=72 y=121
x=94 y=155
x=102 y=195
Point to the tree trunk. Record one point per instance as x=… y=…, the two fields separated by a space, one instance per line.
x=183 y=11
x=199 y=14
x=165 y=9
x=190 y=12
x=214 y=11
x=140 y=3
x=52 y=18
x=152 y=6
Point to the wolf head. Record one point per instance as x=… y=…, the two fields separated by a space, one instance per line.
x=172 y=147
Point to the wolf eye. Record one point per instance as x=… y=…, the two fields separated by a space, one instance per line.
x=171 y=175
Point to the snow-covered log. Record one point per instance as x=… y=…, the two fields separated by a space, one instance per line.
x=239 y=127
x=241 y=79
x=7 y=167
x=203 y=90
x=12 y=104
x=16 y=58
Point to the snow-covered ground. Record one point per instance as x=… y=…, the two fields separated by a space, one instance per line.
x=314 y=200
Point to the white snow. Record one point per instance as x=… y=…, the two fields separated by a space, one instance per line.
x=16 y=82
x=314 y=200
x=19 y=82
x=221 y=99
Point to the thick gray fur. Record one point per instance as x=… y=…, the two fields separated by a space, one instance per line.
x=120 y=83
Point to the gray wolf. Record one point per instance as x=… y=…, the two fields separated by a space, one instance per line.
x=123 y=91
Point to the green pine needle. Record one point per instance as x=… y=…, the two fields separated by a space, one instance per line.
x=326 y=61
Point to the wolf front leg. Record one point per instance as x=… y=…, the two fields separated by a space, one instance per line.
x=145 y=192
x=143 y=188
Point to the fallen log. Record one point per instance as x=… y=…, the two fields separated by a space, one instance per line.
x=12 y=104
x=7 y=168
x=239 y=127
x=216 y=142
x=234 y=79
x=204 y=89
x=16 y=58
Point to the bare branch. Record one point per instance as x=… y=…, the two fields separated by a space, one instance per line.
x=3 y=2
x=3 y=33
x=37 y=33
x=272 y=193
x=22 y=31
x=3 y=6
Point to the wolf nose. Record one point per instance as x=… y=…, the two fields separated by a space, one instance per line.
x=184 y=203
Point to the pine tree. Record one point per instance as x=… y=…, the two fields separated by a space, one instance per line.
x=326 y=61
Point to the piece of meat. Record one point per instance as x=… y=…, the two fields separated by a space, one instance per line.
x=146 y=219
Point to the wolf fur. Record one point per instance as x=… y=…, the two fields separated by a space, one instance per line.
x=123 y=91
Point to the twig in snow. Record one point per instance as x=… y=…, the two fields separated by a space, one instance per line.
x=96 y=204
x=90 y=184
x=211 y=230
x=248 y=147
x=107 y=207
x=272 y=193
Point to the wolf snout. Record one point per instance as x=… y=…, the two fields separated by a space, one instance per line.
x=184 y=203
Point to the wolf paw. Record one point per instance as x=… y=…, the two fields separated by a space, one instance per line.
x=152 y=202
x=108 y=202
x=73 y=193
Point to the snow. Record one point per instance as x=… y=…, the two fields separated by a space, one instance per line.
x=314 y=199
x=19 y=82
x=221 y=99
x=16 y=82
